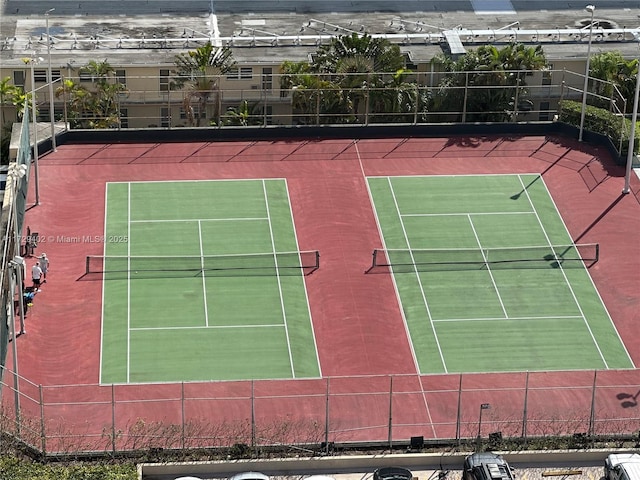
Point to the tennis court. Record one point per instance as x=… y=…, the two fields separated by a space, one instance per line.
x=203 y=280
x=488 y=277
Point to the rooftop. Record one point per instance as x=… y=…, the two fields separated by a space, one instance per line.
x=261 y=31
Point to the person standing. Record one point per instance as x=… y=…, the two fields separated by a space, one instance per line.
x=44 y=266
x=36 y=276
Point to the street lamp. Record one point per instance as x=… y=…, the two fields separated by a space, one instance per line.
x=50 y=82
x=483 y=406
x=591 y=9
x=632 y=135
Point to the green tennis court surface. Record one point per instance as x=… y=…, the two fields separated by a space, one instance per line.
x=488 y=278
x=202 y=281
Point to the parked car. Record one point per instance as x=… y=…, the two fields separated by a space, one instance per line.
x=392 y=473
x=486 y=466
x=250 y=476
x=622 y=466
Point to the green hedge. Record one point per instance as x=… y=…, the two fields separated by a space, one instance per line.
x=601 y=121
x=20 y=469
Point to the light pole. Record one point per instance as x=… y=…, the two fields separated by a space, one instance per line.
x=50 y=82
x=16 y=173
x=632 y=135
x=31 y=61
x=592 y=9
x=483 y=406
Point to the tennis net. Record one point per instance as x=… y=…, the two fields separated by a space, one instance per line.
x=508 y=257
x=264 y=263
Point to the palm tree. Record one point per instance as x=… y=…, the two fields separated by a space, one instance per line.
x=7 y=91
x=476 y=76
x=344 y=78
x=244 y=115
x=200 y=70
x=95 y=107
x=315 y=99
x=359 y=64
x=615 y=72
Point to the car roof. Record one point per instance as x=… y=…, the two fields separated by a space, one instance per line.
x=488 y=466
x=250 y=476
x=392 y=473
x=617 y=458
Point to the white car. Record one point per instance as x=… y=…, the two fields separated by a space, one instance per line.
x=622 y=466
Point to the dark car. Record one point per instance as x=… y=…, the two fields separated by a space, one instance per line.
x=486 y=466
x=392 y=473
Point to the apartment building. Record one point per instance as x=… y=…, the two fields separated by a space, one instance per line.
x=141 y=39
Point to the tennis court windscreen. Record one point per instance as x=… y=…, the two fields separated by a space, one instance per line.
x=509 y=257
x=267 y=262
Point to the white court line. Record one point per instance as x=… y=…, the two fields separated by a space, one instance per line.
x=422 y=292
x=590 y=279
x=456 y=175
x=484 y=257
x=462 y=214
x=575 y=299
x=128 y=281
x=304 y=283
x=480 y=319
x=199 y=220
x=275 y=259
x=104 y=253
x=398 y=299
x=209 y=327
x=204 y=278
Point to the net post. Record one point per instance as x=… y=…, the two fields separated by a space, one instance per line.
x=86 y=265
x=597 y=252
x=317 y=259
x=375 y=257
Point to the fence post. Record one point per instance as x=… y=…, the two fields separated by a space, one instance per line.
x=253 y=415
x=458 y=414
x=592 y=416
x=390 y=413
x=525 y=407
x=326 y=420
x=466 y=90
x=113 y=418
x=182 y=409
x=43 y=432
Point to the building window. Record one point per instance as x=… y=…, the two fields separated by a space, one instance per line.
x=124 y=118
x=196 y=112
x=244 y=73
x=269 y=115
x=121 y=77
x=544 y=111
x=164 y=81
x=267 y=79
x=165 y=118
x=85 y=76
x=40 y=76
x=42 y=112
x=18 y=78
x=546 y=77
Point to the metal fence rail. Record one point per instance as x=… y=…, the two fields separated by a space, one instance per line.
x=388 y=409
